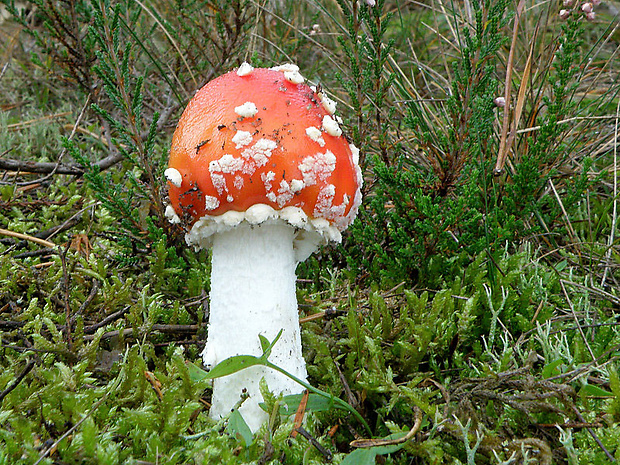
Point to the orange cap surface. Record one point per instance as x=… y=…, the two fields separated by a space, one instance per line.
x=262 y=138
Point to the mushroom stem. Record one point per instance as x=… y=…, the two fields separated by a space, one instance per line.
x=252 y=293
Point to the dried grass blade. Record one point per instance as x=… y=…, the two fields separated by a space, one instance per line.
x=614 y=215
x=503 y=148
x=392 y=442
x=171 y=39
x=36 y=240
x=520 y=102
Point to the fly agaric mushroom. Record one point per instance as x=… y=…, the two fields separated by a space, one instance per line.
x=260 y=171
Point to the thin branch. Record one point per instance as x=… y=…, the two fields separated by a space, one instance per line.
x=107 y=320
x=614 y=216
x=392 y=442
x=167 y=329
x=47 y=451
x=36 y=240
x=29 y=366
x=594 y=436
x=325 y=452
x=572 y=308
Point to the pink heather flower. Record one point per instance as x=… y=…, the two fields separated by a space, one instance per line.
x=568 y=3
x=590 y=16
x=316 y=28
x=370 y=3
x=500 y=102
x=564 y=14
x=587 y=7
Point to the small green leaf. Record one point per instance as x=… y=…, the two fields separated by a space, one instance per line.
x=594 y=391
x=238 y=428
x=196 y=374
x=316 y=403
x=551 y=369
x=266 y=345
x=233 y=365
x=360 y=457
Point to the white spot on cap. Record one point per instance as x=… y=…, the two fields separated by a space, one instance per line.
x=219 y=181
x=259 y=213
x=317 y=167
x=267 y=179
x=320 y=223
x=287 y=67
x=294 y=76
x=295 y=216
x=324 y=201
x=247 y=110
x=245 y=69
x=356 y=154
x=230 y=198
x=226 y=164
x=172 y=215
x=328 y=103
x=260 y=152
x=316 y=135
x=331 y=126
x=297 y=185
x=173 y=175
x=284 y=193
x=211 y=203
x=242 y=138
x=232 y=218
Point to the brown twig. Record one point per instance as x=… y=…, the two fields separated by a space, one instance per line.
x=392 y=442
x=47 y=451
x=11 y=325
x=326 y=453
x=29 y=366
x=314 y=316
x=65 y=286
x=107 y=320
x=39 y=167
x=25 y=124
x=572 y=308
x=87 y=301
x=166 y=329
x=44 y=235
x=577 y=372
x=36 y=240
x=352 y=400
x=594 y=436
x=570 y=424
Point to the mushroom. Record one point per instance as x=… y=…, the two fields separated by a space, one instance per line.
x=260 y=172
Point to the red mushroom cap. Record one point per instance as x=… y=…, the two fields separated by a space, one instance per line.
x=262 y=136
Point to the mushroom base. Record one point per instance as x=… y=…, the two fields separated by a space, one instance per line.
x=252 y=293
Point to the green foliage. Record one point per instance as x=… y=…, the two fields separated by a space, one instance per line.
x=366 y=85
x=451 y=207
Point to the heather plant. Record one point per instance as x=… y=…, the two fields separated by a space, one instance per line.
x=453 y=192
x=469 y=315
